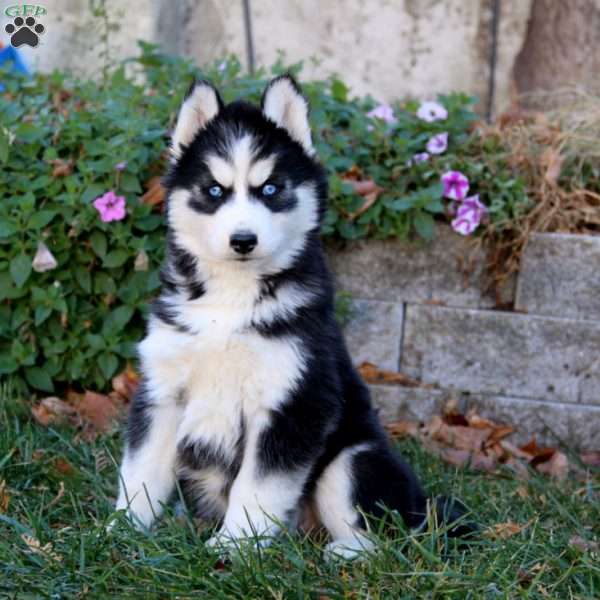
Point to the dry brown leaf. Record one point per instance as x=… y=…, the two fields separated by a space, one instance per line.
x=474 y=441
x=126 y=382
x=458 y=436
x=538 y=454
x=57 y=498
x=530 y=447
x=370 y=199
x=497 y=451
x=400 y=429
x=455 y=418
x=522 y=492
x=363 y=187
x=99 y=410
x=517 y=115
x=592 y=459
x=503 y=531
x=94 y=413
x=498 y=434
x=557 y=466
x=34 y=546
x=38 y=454
x=63 y=466
x=582 y=544
x=484 y=462
x=513 y=451
x=524 y=577
x=552 y=160
x=453 y=456
x=373 y=374
x=542 y=457
x=62 y=168
x=155 y=193
x=460 y=457
x=474 y=420
x=52 y=410
x=370 y=192
x=4 y=497
x=354 y=172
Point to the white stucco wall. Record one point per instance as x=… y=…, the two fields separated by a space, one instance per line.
x=388 y=48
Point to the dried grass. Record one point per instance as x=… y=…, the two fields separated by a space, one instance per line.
x=557 y=152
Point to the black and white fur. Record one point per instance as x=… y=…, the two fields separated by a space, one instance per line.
x=248 y=394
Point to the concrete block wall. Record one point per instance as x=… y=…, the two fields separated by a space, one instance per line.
x=416 y=310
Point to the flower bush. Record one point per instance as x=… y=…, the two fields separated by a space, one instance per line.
x=81 y=245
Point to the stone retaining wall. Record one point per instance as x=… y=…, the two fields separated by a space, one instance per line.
x=417 y=309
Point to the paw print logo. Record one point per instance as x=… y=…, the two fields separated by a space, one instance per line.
x=24 y=31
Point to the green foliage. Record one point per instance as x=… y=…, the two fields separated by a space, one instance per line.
x=343 y=307
x=77 y=324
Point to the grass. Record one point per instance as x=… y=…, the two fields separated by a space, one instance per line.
x=85 y=561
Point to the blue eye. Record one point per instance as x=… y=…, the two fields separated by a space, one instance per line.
x=216 y=191
x=269 y=189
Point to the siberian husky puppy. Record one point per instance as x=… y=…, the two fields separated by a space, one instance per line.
x=248 y=396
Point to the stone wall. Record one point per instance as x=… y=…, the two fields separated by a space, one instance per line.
x=422 y=310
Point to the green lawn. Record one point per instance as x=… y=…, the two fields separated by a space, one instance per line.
x=538 y=562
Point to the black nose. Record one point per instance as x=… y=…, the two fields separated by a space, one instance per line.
x=243 y=242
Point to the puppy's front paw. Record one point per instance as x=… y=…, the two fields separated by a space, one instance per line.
x=349 y=549
x=226 y=543
x=140 y=522
x=221 y=542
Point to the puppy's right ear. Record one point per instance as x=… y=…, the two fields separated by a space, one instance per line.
x=202 y=104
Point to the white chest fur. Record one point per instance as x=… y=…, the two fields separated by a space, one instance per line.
x=225 y=373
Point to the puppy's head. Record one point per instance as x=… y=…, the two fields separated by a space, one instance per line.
x=243 y=185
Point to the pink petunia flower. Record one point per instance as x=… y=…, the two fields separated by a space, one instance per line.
x=456 y=185
x=432 y=111
x=420 y=157
x=111 y=207
x=469 y=214
x=384 y=112
x=121 y=166
x=464 y=225
x=438 y=143
x=473 y=205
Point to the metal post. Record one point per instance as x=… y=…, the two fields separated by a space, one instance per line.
x=249 y=39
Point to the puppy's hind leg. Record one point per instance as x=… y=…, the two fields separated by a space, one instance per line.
x=335 y=499
x=371 y=477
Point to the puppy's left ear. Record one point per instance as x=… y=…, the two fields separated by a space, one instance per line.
x=284 y=104
x=202 y=104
